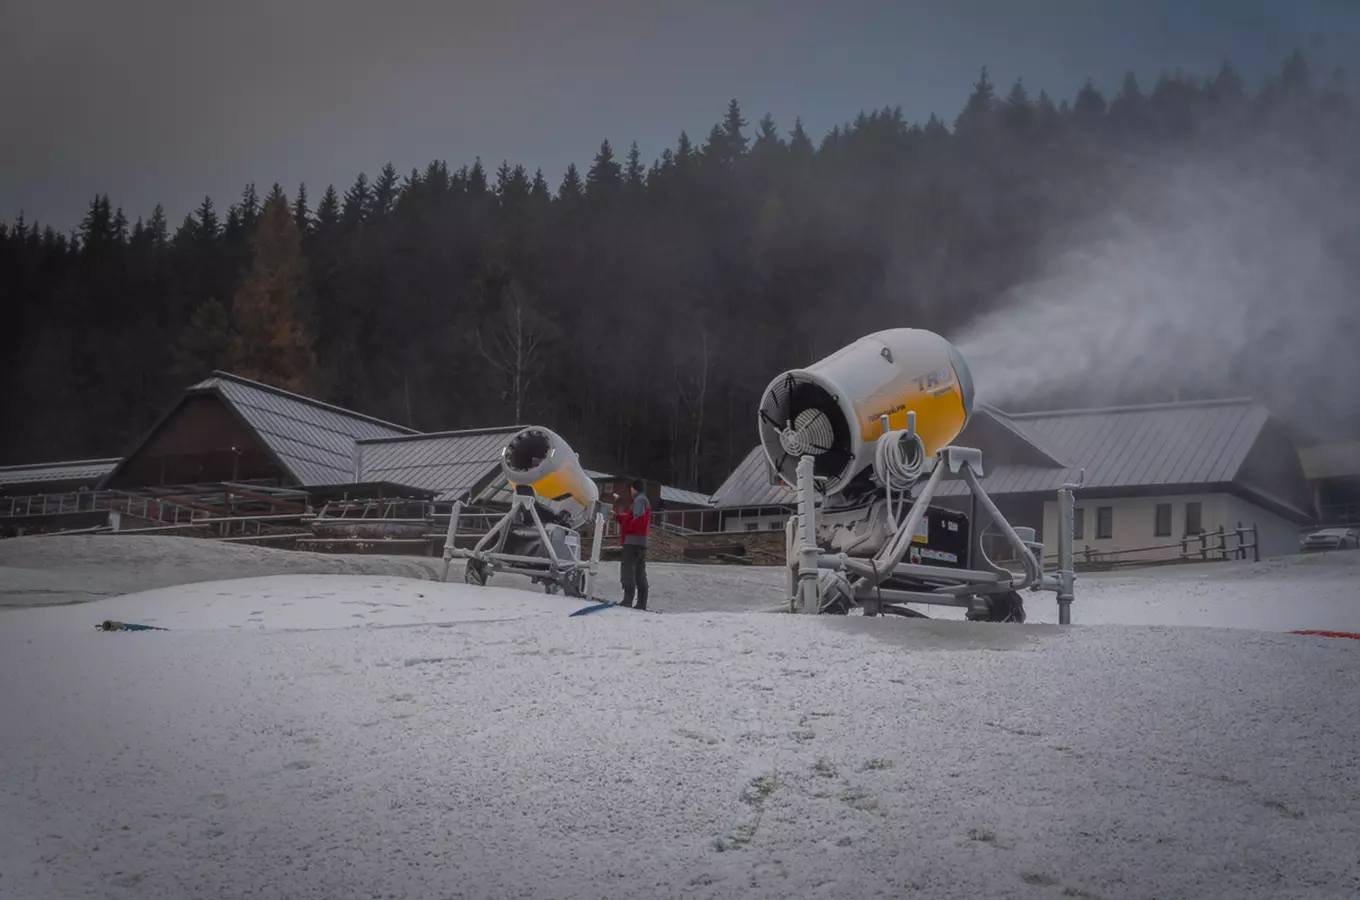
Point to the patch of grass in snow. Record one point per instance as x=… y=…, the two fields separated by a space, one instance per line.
x=1284 y=810
x=860 y=799
x=1081 y=894
x=982 y=835
x=877 y=765
x=825 y=768
x=1023 y=732
x=759 y=788
x=696 y=736
x=1041 y=879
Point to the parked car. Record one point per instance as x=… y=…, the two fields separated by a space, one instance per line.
x=1332 y=539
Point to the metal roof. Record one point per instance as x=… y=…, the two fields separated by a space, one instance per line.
x=1175 y=444
x=749 y=485
x=1331 y=460
x=314 y=441
x=40 y=473
x=451 y=463
x=680 y=495
x=668 y=494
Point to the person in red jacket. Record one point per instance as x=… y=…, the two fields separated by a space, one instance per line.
x=635 y=524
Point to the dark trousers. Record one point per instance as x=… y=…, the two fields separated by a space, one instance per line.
x=634 y=575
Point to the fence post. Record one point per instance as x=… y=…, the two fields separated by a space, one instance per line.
x=1255 y=542
x=1222 y=544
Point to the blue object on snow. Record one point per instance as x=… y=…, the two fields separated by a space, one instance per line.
x=596 y=608
x=109 y=625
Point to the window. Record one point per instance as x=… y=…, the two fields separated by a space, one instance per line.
x=1104 y=523
x=752 y=526
x=1194 y=519
x=776 y=525
x=1079 y=524
x=1163 y=525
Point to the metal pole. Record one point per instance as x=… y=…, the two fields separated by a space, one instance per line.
x=1066 y=566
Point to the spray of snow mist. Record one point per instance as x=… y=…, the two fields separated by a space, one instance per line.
x=1205 y=278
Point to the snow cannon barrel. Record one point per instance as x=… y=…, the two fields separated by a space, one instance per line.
x=540 y=459
x=833 y=409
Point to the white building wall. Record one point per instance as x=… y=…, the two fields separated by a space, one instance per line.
x=770 y=521
x=1278 y=535
x=1135 y=519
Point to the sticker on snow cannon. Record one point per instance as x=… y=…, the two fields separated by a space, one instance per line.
x=110 y=625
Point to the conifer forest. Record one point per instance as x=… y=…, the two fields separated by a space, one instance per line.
x=639 y=306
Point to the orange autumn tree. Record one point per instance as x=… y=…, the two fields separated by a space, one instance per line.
x=271 y=343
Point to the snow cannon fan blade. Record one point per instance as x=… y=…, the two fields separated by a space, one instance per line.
x=833 y=409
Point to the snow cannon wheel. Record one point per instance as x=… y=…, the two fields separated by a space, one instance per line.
x=475 y=573
x=1007 y=607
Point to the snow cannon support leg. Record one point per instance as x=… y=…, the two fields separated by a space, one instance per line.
x=596 y=541
x=454 y=515
x=809 y=584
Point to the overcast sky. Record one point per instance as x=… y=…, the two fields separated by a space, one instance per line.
x=168 y=100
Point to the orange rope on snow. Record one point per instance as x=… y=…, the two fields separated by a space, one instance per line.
x=1336 y=634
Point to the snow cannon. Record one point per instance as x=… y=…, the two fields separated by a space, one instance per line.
x=866 y=438
x=551 y=501
x=539 y=460
x=904 y=382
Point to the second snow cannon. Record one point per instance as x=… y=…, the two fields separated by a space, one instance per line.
x=865 y=436
x=551 y=500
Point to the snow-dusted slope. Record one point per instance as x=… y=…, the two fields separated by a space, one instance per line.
x=1318 y=591
x=488 y=745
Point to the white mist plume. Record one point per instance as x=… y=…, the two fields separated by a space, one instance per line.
x=1205 y=278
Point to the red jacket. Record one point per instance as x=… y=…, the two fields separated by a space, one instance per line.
x=636 y=522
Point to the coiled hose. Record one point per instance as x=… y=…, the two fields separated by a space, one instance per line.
x=899 y=459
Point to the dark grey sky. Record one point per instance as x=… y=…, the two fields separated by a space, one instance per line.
x=168 y=100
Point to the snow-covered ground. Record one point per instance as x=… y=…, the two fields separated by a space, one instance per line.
x=308 y=733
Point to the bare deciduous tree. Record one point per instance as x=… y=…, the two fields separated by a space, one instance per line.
x=513 y=346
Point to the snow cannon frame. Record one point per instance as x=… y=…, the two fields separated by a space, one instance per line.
x=539 y=466
x=861 y=507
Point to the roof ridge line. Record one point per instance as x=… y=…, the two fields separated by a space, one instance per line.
x=62 y=462
x=1140 y=407
x=466 y=432
x=309 y=401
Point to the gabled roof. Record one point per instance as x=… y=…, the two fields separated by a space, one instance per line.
x=1163 y=445
x=749 y=485
x=452 y=463
x=312 y=441
x=40 y=473
x=1160 y=445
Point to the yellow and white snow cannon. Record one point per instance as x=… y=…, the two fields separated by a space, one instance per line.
x=855 y=434
x=552 y=498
